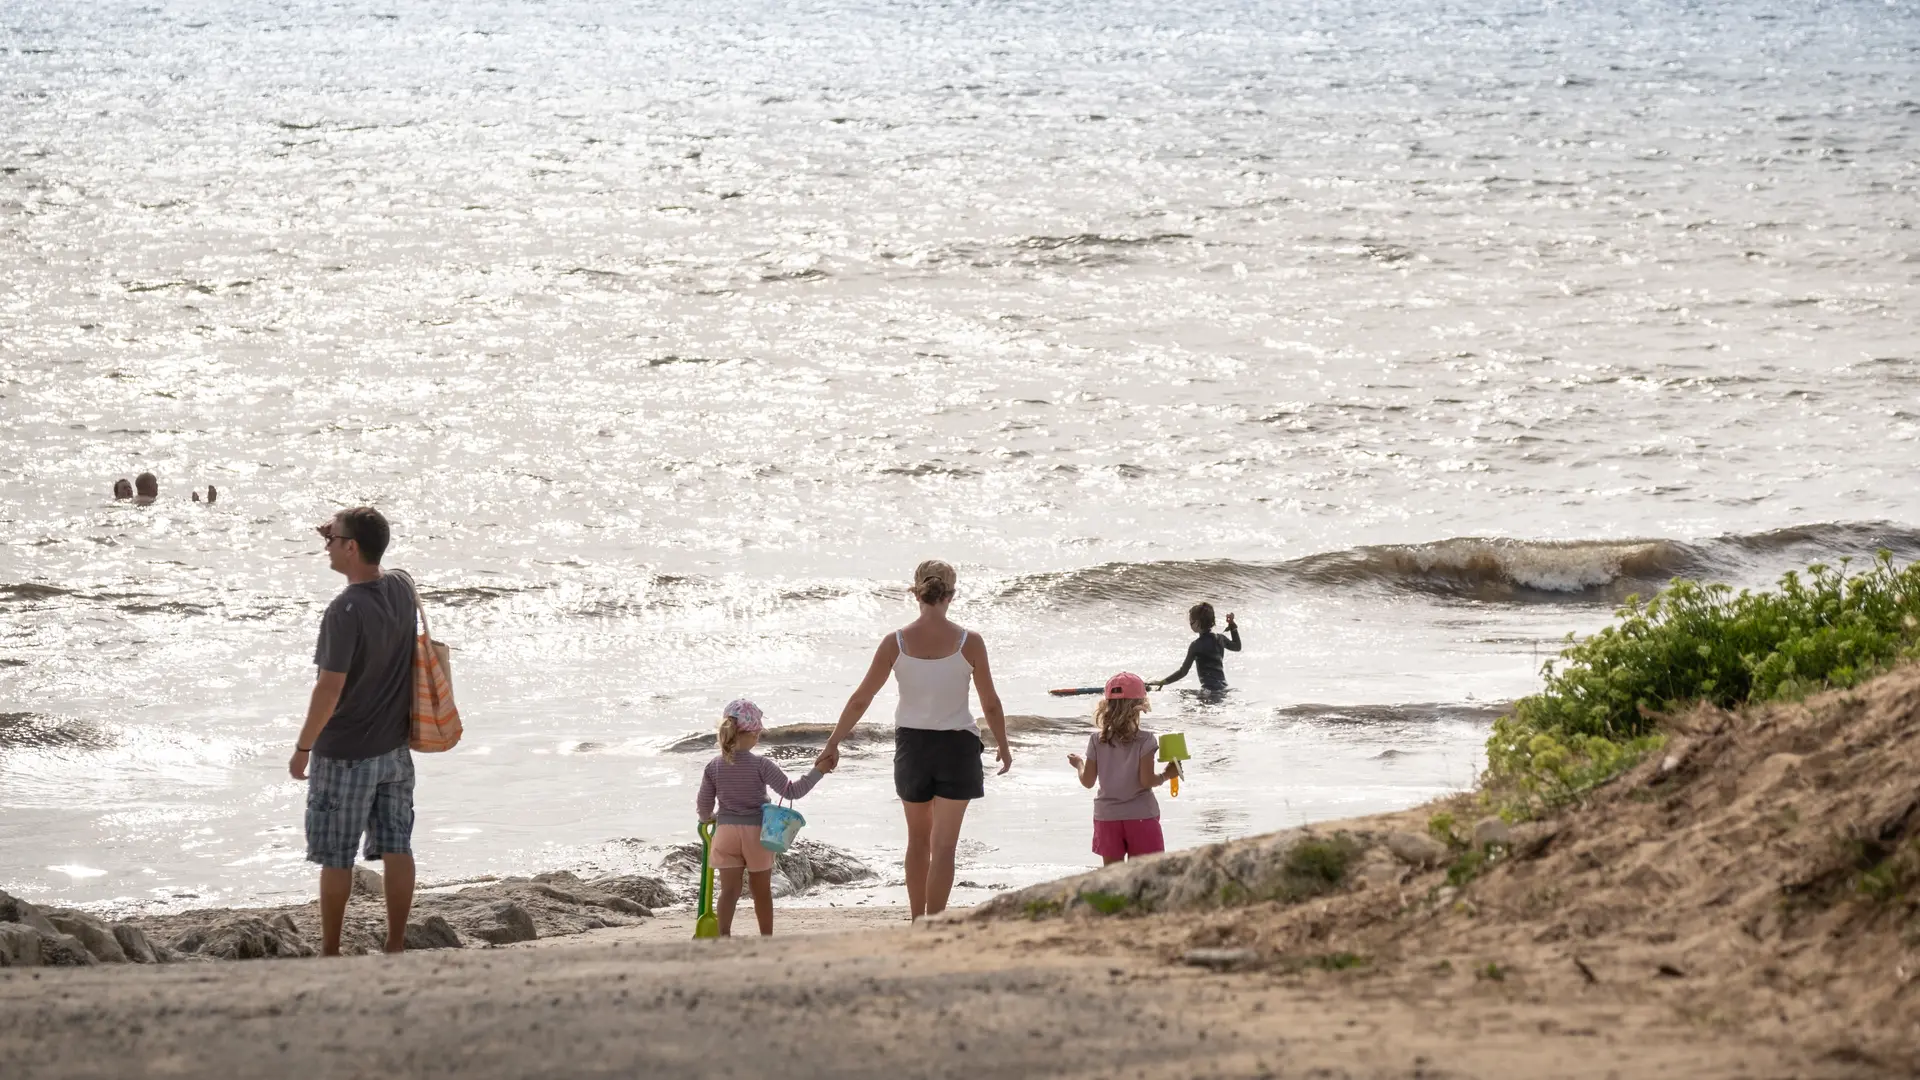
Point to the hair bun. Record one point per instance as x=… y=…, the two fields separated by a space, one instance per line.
x=933 y=581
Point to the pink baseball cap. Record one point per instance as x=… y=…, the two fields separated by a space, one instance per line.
x=1126 y=686
x=745 y=715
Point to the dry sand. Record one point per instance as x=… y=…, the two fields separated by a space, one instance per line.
x=1707 y=915
x=845 y=994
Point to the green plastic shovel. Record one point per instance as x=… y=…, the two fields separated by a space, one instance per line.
x=706 y=924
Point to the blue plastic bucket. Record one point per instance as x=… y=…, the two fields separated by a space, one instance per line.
x=778 y=824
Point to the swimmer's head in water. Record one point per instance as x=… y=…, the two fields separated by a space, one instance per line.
x=122 y=489
x=1200 y=617
x=933 y=582
x=146 y=485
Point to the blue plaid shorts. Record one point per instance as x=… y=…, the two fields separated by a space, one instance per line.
x=347 y=798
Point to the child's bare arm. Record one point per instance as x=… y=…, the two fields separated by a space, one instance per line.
x=774 y=777
x=1153 y=778
x=1088 y=770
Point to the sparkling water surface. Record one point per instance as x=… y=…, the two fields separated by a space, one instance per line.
x=672 y=337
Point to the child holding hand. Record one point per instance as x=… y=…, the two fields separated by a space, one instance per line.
x=732 y=791
x=1126 y=816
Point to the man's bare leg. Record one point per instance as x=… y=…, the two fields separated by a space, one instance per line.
x=397 y=875
x=335 y=887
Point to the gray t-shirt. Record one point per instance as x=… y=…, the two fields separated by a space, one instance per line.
x=1121 y=796
x=367 y=633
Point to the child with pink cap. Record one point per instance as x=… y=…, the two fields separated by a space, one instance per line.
x=732 y=791
x=1126 y=816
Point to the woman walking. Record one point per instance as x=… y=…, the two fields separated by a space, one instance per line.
x=937 y=746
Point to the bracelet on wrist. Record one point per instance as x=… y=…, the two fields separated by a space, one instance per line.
x=298 y=749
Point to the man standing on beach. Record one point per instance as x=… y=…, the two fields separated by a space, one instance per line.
x=357 y=726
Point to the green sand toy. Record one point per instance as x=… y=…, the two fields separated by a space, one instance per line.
x=1173 y=747
x=706 y=924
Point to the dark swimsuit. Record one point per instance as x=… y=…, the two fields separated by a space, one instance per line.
x=1207 y=651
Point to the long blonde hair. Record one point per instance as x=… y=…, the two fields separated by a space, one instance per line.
x=729 y=738
x=1119 y=719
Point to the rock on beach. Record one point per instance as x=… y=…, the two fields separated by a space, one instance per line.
x=1416 y=850
x=30 y=937
x=247 y=937
x=94 y=935
x=485 y=913
x=803 y=866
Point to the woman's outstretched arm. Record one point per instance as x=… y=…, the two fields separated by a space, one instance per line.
x=862 y=699
x=975 y=650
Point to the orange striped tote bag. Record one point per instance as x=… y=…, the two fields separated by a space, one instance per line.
x=436 y=720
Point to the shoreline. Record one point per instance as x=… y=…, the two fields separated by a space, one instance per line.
x=841 y=992
x=1692 y=917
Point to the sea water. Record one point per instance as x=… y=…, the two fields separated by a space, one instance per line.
x=670 y=337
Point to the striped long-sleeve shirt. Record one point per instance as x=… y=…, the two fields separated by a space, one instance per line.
x=741 y=788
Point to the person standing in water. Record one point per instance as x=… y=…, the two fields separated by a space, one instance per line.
x=937 y=746
x=1207 y=652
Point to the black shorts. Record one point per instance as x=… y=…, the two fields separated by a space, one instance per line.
x=945 y=764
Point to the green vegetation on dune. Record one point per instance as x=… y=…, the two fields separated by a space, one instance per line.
x=1691 y=642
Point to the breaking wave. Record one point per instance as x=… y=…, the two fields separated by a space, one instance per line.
x=37 y=731
x=1486 y=569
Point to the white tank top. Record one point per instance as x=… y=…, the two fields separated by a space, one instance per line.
x=933 y=693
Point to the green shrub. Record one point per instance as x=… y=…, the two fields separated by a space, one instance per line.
x=1106 y=903
x=1892 y=878
x=1339 y=961
x=1314 y=867
x=1310 y=868
x=1695 y=642
x=1040 y=909
x=1691 y=642
x=1466 y=866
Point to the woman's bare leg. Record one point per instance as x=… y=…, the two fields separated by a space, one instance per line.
x=944 y=841
x=729 y=896
x=761 y=882
x=919 y=831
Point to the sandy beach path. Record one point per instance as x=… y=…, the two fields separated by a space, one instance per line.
x=846 y=993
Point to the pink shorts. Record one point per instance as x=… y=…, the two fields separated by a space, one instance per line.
x=1116 y=839
x=735 y=846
